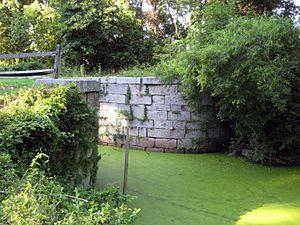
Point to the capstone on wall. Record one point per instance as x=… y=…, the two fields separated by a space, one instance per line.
x=157 y=116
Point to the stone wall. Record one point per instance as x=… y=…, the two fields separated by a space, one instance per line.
x=157 y=116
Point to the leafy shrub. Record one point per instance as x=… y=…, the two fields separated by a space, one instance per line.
x=251 y=67
x=37 y=198
x=23 y=66
x=57 y=121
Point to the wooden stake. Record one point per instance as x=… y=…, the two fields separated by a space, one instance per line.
x=125 y=181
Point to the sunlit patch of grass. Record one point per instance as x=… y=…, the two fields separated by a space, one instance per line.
x=13 y=85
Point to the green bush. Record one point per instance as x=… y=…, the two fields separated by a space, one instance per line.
x=251 y=67
x=56 y=121
x=38 y=198
x=23 y=66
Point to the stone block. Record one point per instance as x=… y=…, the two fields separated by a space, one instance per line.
x=165 y=143
x=107 y=121
x=151 y=80
x=137 y=89
x=179 y=125
x=129 y=80
x=158 y=108
x=185 y=143
x=116 y=89
x=162 y=89
x=195 y=134
x=139 y=123
x=142 y=132
x=155 y=149
x=163 y=124
x=145 y=142
x=195 y=125
x=163 y=133
x=84 y=84
x=113 y=107
x=108 y=80
x=110 y=98
x=158 y=99
x=138 y=111
x=181 y=108
x=174 y=100
x=133 y=131
x=179 y=116
x=157 y=115
x=106 y=139
x=140 y=100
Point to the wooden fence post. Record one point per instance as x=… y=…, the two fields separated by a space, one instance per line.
x=57 y=60
x=125 y=181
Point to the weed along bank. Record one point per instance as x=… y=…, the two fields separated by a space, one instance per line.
x=157 y=116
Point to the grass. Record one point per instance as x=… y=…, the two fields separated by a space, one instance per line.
x=208 y=189
x=13 y=85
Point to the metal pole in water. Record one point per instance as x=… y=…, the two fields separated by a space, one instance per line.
x=125 y=181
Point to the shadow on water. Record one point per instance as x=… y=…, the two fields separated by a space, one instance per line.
x=206 y=189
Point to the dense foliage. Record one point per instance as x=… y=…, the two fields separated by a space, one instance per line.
x=112 y=35
x=48 y=145
x=54 y=121
x=115 y=35
x=250 y=64
x=36 y=197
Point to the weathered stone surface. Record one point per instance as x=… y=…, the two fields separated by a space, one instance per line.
x=144 y=142
x=142 y=132
x=180 y=116
x=163 y=133
x=163 y=124
x=158 y=107
x=185 y=143
x=171 y=123
x=195 y=125
x=113 y=107
x=155 y=149
x=174 y=100
x=138 y=89
x=158 y=100
x=106 y=139
x=151 y=80
x=133 y=131
x=110 y=98
x=108 y=80
x=179 y=108
x=84 y=84
x=139 y=123
x=129 y=80
x=162 y=89
x=138 y=111
x=165 y=143
x=157 y=115
x=195 y=134
x=116 y=89
x=107 y=121
x=140 y=100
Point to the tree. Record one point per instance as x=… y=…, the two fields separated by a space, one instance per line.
x=104 y=33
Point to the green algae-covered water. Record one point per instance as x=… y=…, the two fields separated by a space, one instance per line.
x=203 y=189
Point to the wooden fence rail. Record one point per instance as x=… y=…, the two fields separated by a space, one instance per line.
x=57 y=54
